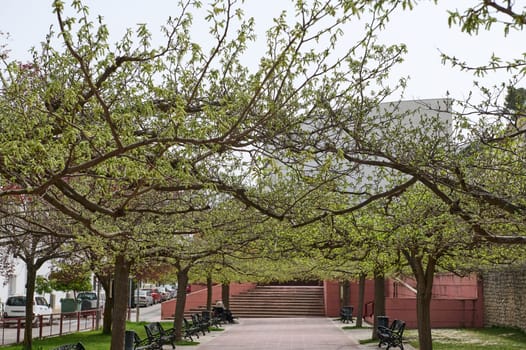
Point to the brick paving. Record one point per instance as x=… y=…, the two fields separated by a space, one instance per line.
x=316 y=333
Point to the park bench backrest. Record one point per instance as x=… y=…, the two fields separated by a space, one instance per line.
x=156 y=333
x=398 y=327
x=75 y=346
x=152 y=330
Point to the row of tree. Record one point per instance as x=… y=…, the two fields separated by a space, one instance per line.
x=182 y=155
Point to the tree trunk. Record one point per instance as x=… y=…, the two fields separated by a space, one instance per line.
x=120 y=301
x=379 y=300
x=182 y=282
x=346 y=293
x=209 y=286
x=107 y=315
x=423 y=317
x=30 y=293
x=105 y=282
x=361 y=300
x=225 y=294
x=424 y=286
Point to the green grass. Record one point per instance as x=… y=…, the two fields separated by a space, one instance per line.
x=94 y=340
x=467 y=339
x=473 y=339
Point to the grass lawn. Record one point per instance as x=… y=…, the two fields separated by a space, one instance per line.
x=473 y=339
x=93 y=340
x=467 y=339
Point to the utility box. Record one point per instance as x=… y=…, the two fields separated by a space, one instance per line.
x=69 y=305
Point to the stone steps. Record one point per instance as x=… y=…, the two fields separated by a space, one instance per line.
x=276 y=301
x=279 y=301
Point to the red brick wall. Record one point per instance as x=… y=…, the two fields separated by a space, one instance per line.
x=445 y=286
x=368 y=295
x=331 y=290
x=444 y=313
x=463 y=308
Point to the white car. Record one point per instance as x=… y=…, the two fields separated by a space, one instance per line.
x=165 y=294
x=145 y=298
x=15 y=306
x=89 y=301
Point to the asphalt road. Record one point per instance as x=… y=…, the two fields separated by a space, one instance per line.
x=148 y=314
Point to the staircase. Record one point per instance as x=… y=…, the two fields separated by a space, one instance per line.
x=279 y=301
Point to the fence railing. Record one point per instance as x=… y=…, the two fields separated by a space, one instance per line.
x=12 y=329
x=369 y=309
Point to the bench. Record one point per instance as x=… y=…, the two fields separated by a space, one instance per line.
x=157 y=334
x=209 y=317
x=392 y=336
x=190 y=330
x=142 y=344
x=222 y=314
x=346 y=314
x=199 y=322
x=73 y=346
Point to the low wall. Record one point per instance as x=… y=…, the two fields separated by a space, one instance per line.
x=504 y=297
x=465 y=313
x=445 y=286
x=197 y=298
x=331 y=293
x=463 y=308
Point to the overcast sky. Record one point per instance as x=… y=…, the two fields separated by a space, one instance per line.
x=424 y=30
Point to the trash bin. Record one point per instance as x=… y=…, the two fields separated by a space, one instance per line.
x=69 y=305
x=382 y=321
x=129 y=338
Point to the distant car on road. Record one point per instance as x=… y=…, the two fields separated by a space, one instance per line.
x=170 y=290
x=145 y=298
x=165 y=294
x=156 y=295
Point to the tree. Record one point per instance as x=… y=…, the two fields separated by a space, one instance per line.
x=32 y=232
x=427 y=236
x=76 y=273
x=93 y=128
x=42 y=285
x=515 y=99
x=463 y=162
x=499 y=133
x=70 y=275
x=98 y=133
x=224 y=231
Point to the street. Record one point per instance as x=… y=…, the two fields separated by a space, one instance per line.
x=149 y=314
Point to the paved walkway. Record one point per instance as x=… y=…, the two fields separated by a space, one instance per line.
x=316 y=333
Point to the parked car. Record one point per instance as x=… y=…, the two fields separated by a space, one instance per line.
x=156 y=295
x=145 y=298
x=87 y=300
x=15 y=306
x=171 y=290
x=165 y=294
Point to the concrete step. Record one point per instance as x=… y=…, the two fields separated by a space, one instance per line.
x=279 y=301
x=275 y=301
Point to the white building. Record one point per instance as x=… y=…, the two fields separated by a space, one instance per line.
x=16 y=284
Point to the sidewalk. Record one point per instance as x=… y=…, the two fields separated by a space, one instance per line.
x=316 y=333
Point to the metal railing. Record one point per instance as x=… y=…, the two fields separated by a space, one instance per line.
x=369 y=309
x=12 y=329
